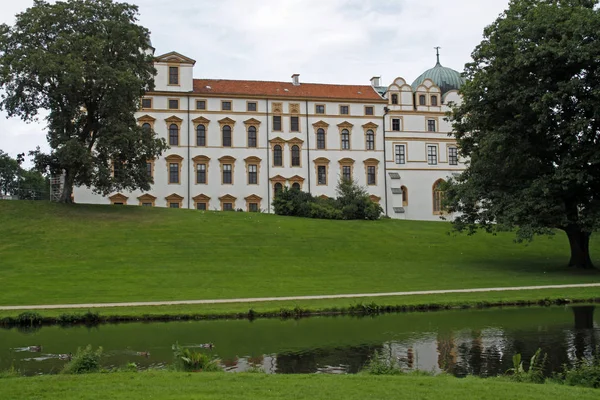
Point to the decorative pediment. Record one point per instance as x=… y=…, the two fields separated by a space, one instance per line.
x=228 y=198
x=174 y=197
x=251 y=121
x=277 y=140
x=175 y=58
x=294 y=108
x=321 y=124
x=375 y=199
x=295 y=140
x=346 y=161
x=253 y=197
x=321 y=160
x=370 y=125
x=277 y=108
x=201 y=159
x=146 y=198
x=296 y=178
x=345 y=125
x=174 y=158
x=278 y=178
x=227 y=160
x=174 y=119
x=324 y=197
x=118 y=198
x=201 y=120
x=252 y=160
x=146 y=118
x=371 y=161
x=226 y=121
x=201 y=198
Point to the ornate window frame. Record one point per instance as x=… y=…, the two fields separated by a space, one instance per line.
x=347 y=162
x=174 y=198
x=320 y=125
x=322 y=162
x=118 y=198
x=371 y=126
x=174 y=120
x=201 y=160
x=253 y=198
x=201 y=199
x=227 y=199
x=174 y=159
x=371 y=162
x=227 y=160
x=252 y=122
x=147 y=198
x=197 y=122
x=253 y=160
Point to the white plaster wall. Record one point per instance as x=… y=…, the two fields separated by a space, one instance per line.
x=186 y=80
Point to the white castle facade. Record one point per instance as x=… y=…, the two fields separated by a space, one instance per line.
x=234 y=143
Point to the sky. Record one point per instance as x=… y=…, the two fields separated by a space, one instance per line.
x=325 y=41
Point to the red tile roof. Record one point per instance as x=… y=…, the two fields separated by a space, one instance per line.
x=285 y=89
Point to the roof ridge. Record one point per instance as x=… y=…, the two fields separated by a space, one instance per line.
x=285 y=82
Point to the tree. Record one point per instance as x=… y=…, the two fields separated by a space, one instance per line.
x=529 y=124
x=88 y=63
x=9 y=173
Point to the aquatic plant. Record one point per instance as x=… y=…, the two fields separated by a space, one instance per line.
x=534 y=374
x=84 y=361
x=189 y=360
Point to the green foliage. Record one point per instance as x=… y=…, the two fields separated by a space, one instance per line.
x=585 y=373
x=528 y=126
x=29 y=318
x=534 y=374
x=352 y=203
x=62 y=57
x=9 y=173
x=84 y=361
x=380 y=364
x=12 y=372
x=189 y=360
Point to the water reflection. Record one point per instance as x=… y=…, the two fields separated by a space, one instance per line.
x=478 y=342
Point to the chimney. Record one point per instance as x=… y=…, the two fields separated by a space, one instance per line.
x=375 y=81
x=296 y=79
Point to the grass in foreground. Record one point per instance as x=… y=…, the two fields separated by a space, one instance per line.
x=169 y=385
x=53 y=254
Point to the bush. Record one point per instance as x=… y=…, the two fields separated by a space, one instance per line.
x=29 y=318
x=84 y=361
x=188 y=360
x=382 y=365
x=585 y=373
x=534 y=374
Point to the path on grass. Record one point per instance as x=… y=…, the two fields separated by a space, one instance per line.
x=268 y=299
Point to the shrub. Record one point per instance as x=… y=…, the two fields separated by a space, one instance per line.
x=12 y=372
x=84 y=361
x=188 y=360
x=535 y=372
x=29 y=318
x=584 y=373
x=380 y=364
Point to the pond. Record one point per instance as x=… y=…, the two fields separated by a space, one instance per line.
x=460 y=342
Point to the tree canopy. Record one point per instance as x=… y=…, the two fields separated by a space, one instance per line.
x=529 y=125
x=88 y=63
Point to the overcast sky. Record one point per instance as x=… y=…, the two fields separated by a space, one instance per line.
x=325 y=41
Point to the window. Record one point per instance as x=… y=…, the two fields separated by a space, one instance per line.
x=227 y=206
x=396 y=124
x=173 y=75
x=173 y=104
x=400 y=154
x=431 y=125
x=322 y=175
x=277 y=156
x=404 y=196
x=253 y=207
x=146 y=103
x=369 y=110
x=251 y=106
x=394 y=99
x=173 y=173
x=225 y=105
x=347 y=172
x=227 y=178
x=147 y=205
x=173 y=205
x=320 y=138
x=201 y=206
x=201 y=173
x=371 y=175
x=422 y=100
x=226 y=141
x=344 y=110
x=252 y=136
x=296 y=186
x=278 y=188
x=146 y=127
x=200 y=104
x=370 y=140
x=295 y=156
x=438 y=197
x=434 y=101
x=201 y=135
x=173 y=135
x=452 y=155
x=320 y=109
x=276 y=122
x=252 y=174
x=294 y=124
x=149 y=169
x=345 y=139
x=432 y=154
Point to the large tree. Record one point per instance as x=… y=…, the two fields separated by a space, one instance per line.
x=9 y=173
x=87 y=63
x=529 y=124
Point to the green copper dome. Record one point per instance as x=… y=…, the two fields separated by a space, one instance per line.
x=446 y=78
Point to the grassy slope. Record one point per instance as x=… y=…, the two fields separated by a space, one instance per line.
x=251 y=386
x=53 y=254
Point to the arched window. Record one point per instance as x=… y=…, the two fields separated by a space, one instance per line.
x=345 y=139
x=422 y=100
x=394 y=99
x=146 y=127
x=201 y=135
x=370 y=140
x=295 y=156
x=320 y=138
x=174 y=135
x=438 y=196
x=277 y=156
x=404 y=196
x=277 y=189
x=252 y=136
x=296 y=186
x=434 y=101
x=226 y=136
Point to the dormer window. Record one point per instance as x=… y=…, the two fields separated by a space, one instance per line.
x=422 y=100
x=434 y=101
x=173 y=75
x=394 y=99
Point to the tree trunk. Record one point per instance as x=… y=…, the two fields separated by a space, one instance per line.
x=67 y=193
x=580 y=248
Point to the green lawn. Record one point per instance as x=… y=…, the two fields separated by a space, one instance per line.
x=53 y=254
x=164 y=385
